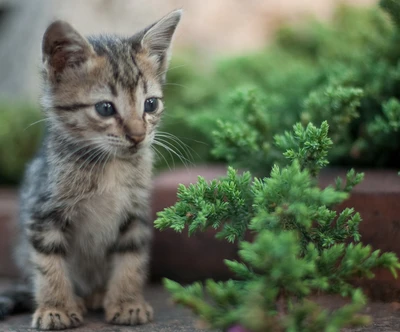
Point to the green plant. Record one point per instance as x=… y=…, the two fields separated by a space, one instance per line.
x=20 y=135
x=300 y=243
x=346 y=71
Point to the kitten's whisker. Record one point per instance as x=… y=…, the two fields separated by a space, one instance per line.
x=188 y=157
x=36 y=122
x=171 y=146
x=67 y=158
x=106 y=162
x=41 y=120
x=160 y=154
x=98 y=161
x=77 y=172
x=182 y=144
x=87 y=145
x=170 y=154
x=182 y=159
x=176 y=84
x=92 y=157
x=168 y=70
x=185 y=138
x=72 y=167
x=172 y=157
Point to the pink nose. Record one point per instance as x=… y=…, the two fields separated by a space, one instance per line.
x=135 y=139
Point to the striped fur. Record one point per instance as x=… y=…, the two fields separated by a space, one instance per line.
x=85 y=222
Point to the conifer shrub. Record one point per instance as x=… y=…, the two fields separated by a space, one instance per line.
x=301 y=245
x=346 y=74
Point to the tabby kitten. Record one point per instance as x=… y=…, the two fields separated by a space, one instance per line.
x=85 y=221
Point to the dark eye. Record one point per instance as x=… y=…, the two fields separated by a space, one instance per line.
x=150 y=105
x=105 y=108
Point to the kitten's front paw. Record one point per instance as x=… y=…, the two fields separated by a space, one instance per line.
x=130 y=313
x=56 y=318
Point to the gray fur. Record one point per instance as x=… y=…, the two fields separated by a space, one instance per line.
x=85 y=196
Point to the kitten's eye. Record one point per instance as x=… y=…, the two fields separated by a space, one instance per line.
x=105 y=108
x=150 y=105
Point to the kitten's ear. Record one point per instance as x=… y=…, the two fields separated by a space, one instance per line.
x=63 y=47
x=158 y=37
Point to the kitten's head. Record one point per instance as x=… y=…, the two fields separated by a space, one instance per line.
x=106 y=91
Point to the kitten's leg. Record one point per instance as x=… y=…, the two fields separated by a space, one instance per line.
x=58 y=307
x=124 y=302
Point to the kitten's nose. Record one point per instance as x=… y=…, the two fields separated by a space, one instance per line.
x=135 y=139
x=135 y=131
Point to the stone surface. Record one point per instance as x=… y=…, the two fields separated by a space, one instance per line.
x=168 y=317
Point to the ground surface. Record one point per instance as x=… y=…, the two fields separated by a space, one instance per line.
x=169 y=318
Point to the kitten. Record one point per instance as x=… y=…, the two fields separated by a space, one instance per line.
x=85 y=220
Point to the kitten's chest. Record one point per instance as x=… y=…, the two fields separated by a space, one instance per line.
x=99 y=216
x=93 y=233
x=97 y=221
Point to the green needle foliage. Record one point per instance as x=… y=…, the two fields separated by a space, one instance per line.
x=301 y=245
x=347 y=72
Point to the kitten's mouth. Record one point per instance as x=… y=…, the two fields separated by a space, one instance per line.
x=125 y=151
x=133 y=148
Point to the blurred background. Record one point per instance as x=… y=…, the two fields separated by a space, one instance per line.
x=280 y=49
x=210 y=28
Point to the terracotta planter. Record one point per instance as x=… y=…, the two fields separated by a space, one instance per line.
x=185 y=259
x=8 y=217
x=377 y=199
x=177 y=256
